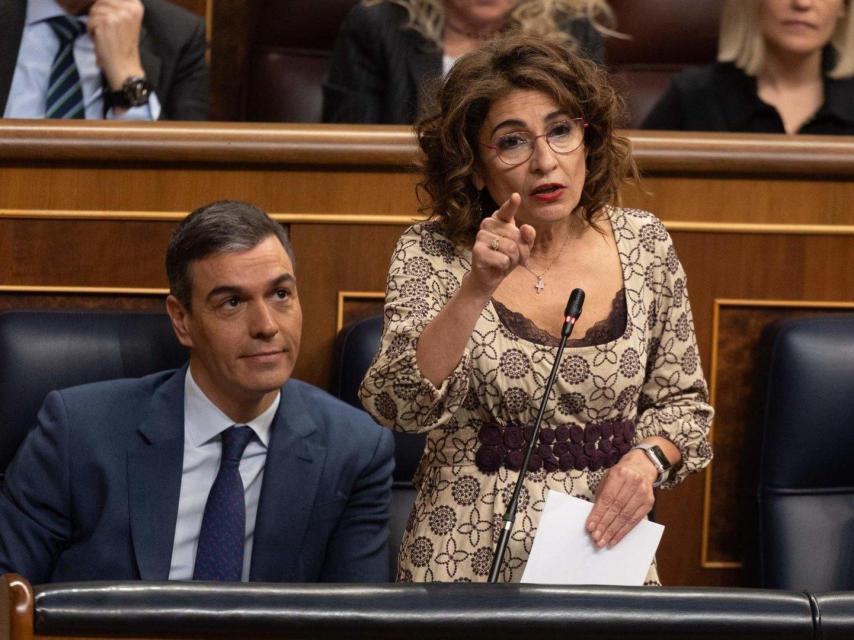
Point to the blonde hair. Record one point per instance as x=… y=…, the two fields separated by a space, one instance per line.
x=531 y=17
x=741 y=43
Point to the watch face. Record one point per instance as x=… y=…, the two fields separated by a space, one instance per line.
x=659 y=455
x=136 y=91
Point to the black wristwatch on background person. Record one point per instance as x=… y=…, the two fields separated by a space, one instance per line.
x=135 y=92
x=659 y=461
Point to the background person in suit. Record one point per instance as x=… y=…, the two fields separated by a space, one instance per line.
x=784 y=66
x=388 y=51
x=128 y=59
x=142 y=479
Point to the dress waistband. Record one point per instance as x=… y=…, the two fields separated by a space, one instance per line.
x=565 y=447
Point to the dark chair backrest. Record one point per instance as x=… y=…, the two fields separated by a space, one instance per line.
x=355 y=347
x=288 y=56
x=666 y=37
x=290 y=46
x=45 y=350
x=806 y=473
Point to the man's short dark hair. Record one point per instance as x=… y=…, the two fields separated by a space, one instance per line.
x=220 y=227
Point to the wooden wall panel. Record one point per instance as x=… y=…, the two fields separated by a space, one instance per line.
x=739 y=362
x=199 y=7
x=757 y=218
x=81 y=298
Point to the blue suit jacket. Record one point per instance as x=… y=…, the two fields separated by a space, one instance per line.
x=92 y=493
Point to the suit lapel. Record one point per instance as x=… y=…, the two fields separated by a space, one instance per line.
x=291 y=476
x=154 y=480
x=12 y=16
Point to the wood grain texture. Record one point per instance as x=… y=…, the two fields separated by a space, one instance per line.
x=16 y=595
x=669 y=153
x=199 y=7
x=752 y=217
x=739 y=398
x=230 y=24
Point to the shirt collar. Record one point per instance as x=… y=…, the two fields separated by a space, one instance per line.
x=208 y=421
x=41 y=10
x=740 y=96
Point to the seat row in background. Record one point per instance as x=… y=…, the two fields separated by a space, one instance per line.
x=274 y=72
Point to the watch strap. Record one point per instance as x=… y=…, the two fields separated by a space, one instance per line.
x=135 y=92
x=659 y=461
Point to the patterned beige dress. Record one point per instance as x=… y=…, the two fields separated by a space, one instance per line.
x=606 y=397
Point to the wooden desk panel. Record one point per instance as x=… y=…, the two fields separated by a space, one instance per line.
x=763 y=225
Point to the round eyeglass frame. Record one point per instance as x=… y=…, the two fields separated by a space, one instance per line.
x=584 y=125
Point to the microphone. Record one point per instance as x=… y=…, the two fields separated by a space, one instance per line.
x=571 y=315
x=572 y=311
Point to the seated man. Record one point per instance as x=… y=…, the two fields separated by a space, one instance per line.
x=115 y=59
x=223 y=470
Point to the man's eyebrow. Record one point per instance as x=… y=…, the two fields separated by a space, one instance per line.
x=236 y=290
x=285 y=278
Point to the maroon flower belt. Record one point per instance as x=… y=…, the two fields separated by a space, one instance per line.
x=598 y=445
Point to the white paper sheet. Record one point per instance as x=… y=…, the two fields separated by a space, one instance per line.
x=564 y=553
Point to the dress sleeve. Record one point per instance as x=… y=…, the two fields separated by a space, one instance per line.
x=425 y=272
x=674 y=398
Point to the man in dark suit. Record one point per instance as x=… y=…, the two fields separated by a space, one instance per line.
x=116 y=59
x=226 y=469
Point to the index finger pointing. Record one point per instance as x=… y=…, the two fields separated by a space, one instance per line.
x=507 y=211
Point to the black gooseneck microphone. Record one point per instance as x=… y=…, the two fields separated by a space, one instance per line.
x=570 y=315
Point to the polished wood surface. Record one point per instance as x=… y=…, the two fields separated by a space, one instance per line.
x=761 y=219
x=16 y=608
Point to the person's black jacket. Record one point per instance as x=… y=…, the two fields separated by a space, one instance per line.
x=721 y=97
x=381 y=70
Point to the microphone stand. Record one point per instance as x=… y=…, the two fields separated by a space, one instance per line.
x=571 y=315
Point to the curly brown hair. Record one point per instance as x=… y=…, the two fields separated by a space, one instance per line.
x=449 y=131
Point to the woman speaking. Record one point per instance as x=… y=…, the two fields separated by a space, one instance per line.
x=474 y=308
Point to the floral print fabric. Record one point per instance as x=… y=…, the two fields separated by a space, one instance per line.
x=650 y=376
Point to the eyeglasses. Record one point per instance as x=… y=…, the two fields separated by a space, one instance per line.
x=517 y=147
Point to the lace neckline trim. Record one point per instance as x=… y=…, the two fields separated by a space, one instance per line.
x=603 y=331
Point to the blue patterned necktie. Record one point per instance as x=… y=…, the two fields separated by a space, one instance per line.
x=220 y=552
x=64 y=93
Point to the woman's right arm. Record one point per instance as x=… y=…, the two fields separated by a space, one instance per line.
x=419 y=376
x=443 y=340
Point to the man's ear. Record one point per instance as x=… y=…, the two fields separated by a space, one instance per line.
x=179 y=315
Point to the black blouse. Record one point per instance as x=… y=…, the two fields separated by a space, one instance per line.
x=721 y=97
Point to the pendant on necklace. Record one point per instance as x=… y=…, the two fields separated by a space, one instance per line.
x=540 y=285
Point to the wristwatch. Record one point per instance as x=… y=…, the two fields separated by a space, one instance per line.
x=659 y=461
x=134 y=93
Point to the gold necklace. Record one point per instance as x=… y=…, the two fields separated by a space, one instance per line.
x=540 y=284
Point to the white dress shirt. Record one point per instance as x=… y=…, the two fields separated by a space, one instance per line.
x=203 y=426
x=39 y=46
